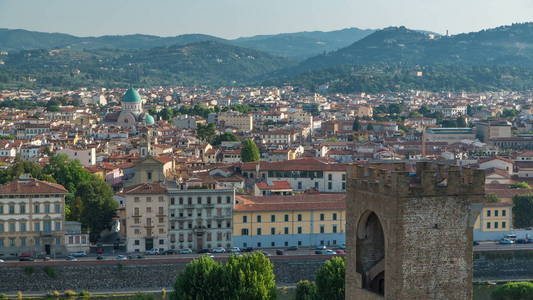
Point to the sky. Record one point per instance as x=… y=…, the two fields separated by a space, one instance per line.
x=235 y=18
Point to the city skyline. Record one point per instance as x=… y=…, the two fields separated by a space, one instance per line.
x=238 y=18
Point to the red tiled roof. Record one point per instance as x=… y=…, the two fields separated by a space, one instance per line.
x=294 y=202
x=31 y=186
x=304 y=164
x=276 y=185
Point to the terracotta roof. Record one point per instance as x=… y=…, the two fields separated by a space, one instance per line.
x=146 y=188
x=304 y=164
x=276 y=185
x=31 y=186
x=294 y=202
x=496 y=158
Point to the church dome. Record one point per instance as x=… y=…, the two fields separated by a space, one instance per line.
x=131 y=96
x=148 y=119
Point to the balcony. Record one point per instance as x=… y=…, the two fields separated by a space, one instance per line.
x=48 y=233
x=149 y=225
x=209 y=205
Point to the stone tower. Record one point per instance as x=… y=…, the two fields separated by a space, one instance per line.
x=409 y=235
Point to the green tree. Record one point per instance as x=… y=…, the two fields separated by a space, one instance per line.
x=24 y=167
x=202 y=279
x=250 y=277
x=514 y=291
x=330 y=279
x=523 y=210
x=205 y=132
x=306 y=290
x=520 y=185
x=98 y=205
x=249 y=151
x=491 y=197
x=356 y=124
x=225 y=137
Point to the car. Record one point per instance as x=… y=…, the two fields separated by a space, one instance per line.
x=121 y=257
x=100 y=251
x=135 y=256
x=279 y=252
x=319 y=251
x=219 y=250
x=170 y=252
x=2 y=261
x=476 y=243
x=26 y=258
x=506 y=242
x=25 y=254
x=510 y=236
x=340 y=251
x=100 y=257
x=292 y=248
x=248 y=249
x=343 y=247
x=321 y=247
x=185 y=251
x=79 y=254
x=209 y=255
x=71 y=258
x=234 y=250
x=201 y=251
x=521 y=241
x=152 y=252
x=330 y=252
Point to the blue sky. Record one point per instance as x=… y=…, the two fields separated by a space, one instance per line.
x=233 y=18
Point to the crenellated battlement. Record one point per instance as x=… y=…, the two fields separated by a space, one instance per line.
x=430 y=178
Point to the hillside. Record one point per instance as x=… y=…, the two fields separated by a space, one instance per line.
x=506 y=45
x=198 y=63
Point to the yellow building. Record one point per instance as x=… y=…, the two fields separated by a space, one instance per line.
x=282 y=221
x=494 y=221
x=235 y=120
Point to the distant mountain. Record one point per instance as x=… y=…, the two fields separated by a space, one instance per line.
x=506 y=45
x=208 y=62
x=301 y=45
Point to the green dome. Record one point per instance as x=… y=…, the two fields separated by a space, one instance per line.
x=148 y=119
x=131 y=96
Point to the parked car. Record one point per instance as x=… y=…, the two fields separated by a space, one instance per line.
x=2 y=261
x=219 y=250
x=100 y=257
x=476 y=243
x=201 y=251
x=321 y=247
x=135 y=256
x=170 y=252
x=185 y=251
x=319 y=251
x=152 y=252
x=79 y=254
x=121 y=257
x=234 y=250
x=292 y=248
x=279 y=252
x=248 y=249
x=521 y=241
x=25 y=254
x=71 y=258
x=510 y=236
x=330 y=252
x=506 y=242
x=26 y=258
x=340 y=251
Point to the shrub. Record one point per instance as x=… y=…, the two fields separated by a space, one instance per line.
x=330 y=279
x=306 y=290
x=70 y=293
x=514 y=291
x=3 y=297
x=51 y=272
x=20 y=295
x=85 y=294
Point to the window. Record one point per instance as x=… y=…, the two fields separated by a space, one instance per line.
x=161 y=199
x=488 y=212
x=161 y=242
x=299 y=243
x=136 y=211
x=47 y=208
x=273 y=231
x=245 y=219
x=149 y=175
x=22 y=227
x=273 y=244
x=299 y=230
x=322 y=217
x=330 y=176
x=22 y=209
x=344 y=185
x=172 y=201
x=12 y=209
x=273 y=218
x=504 y=212
x=330 y=186
x=136 y=199
x=148 y=209
x=258 y=231
x=504 y=224
x=181 y=200
x=58 y=226
x=36 y=209
x=258 y=244
x=12 y=242
x=321 y=228
x=219 y=200
x=137 y=231
x=334 y=216
x=299 y=218
x=495 y=212
x=316 y=185
x=57 y=208
x=286 y=230
x=259 y=219
x=299 y=185
x=199 y=200
x=12 y=227
x=488 y=225
x=334 y=229
x=343 y=176
x=161 y=211
x=148 y=199
x=137 y=242
x=228 y=199
x=1 y=209
x=37 y=227
x=286 y=218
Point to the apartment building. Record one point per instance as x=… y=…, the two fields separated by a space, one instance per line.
x=494 y=221
x=32 y=217
x=147 y=217
x=235 y=120
x=200 y=217
x=282 y=221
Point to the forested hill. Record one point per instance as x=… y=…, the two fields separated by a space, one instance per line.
x=198 y=63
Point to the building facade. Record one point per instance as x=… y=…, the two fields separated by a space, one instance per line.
x=32 y=218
